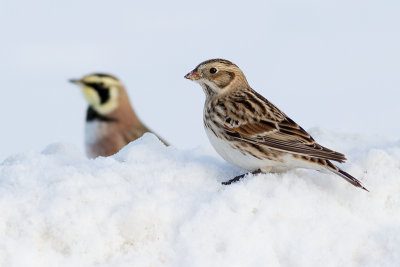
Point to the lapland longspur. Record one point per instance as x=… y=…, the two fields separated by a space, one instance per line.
x=250 y=132
x=111 y=122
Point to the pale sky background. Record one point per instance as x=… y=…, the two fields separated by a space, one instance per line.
x=333 y=64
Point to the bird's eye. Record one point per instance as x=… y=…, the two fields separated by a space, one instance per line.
x=213 y=70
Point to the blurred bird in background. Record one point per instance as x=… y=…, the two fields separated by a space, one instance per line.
x=111 y=122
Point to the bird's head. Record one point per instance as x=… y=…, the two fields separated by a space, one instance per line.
x=217 y=76
x=101 y=91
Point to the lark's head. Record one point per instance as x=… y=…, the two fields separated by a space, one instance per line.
x=217 y=76
x=101 y=91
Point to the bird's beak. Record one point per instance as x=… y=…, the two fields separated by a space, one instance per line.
x=193 y=75
x=75 y=81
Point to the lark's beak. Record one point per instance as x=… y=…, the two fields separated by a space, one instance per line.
x=75 y=81
x=193 y=75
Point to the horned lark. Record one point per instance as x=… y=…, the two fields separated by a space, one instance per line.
x=111 y=122
x=250 y=132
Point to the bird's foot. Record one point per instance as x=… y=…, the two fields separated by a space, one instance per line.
x=237 y=178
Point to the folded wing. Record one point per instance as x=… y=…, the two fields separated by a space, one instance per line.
x=276 y=132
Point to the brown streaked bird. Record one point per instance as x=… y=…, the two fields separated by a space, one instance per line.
x=111 y=122
x=250 y=132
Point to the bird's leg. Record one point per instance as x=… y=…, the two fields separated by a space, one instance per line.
x=237 y=178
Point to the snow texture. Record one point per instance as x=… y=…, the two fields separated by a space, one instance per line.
x=151 y=205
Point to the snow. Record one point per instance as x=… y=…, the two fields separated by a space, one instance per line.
x=151 y=205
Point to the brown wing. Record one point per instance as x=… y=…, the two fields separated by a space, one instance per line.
x=278 y=132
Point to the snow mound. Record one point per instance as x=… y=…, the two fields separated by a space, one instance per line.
x=151 y=205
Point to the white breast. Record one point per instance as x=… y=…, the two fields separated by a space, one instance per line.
x=94 y=132
x=236 y=157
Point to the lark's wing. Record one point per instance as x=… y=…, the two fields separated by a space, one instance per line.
x=252 y=118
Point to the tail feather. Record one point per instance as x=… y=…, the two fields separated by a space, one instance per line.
x=348 y=178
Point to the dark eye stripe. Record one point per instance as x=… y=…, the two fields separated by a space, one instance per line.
x=92 y=115
x=103 y=92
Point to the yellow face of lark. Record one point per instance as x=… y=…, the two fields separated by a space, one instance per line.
x=101 y=91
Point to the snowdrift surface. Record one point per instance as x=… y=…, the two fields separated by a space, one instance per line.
x=156 y=206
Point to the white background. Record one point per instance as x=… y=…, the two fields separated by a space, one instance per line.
x=334 y=64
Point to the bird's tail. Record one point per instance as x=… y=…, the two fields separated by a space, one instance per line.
x=354 y=181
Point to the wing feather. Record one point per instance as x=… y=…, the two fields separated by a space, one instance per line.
x=276 y=132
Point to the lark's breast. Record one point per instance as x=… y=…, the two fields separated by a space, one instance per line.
x=101 y=139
